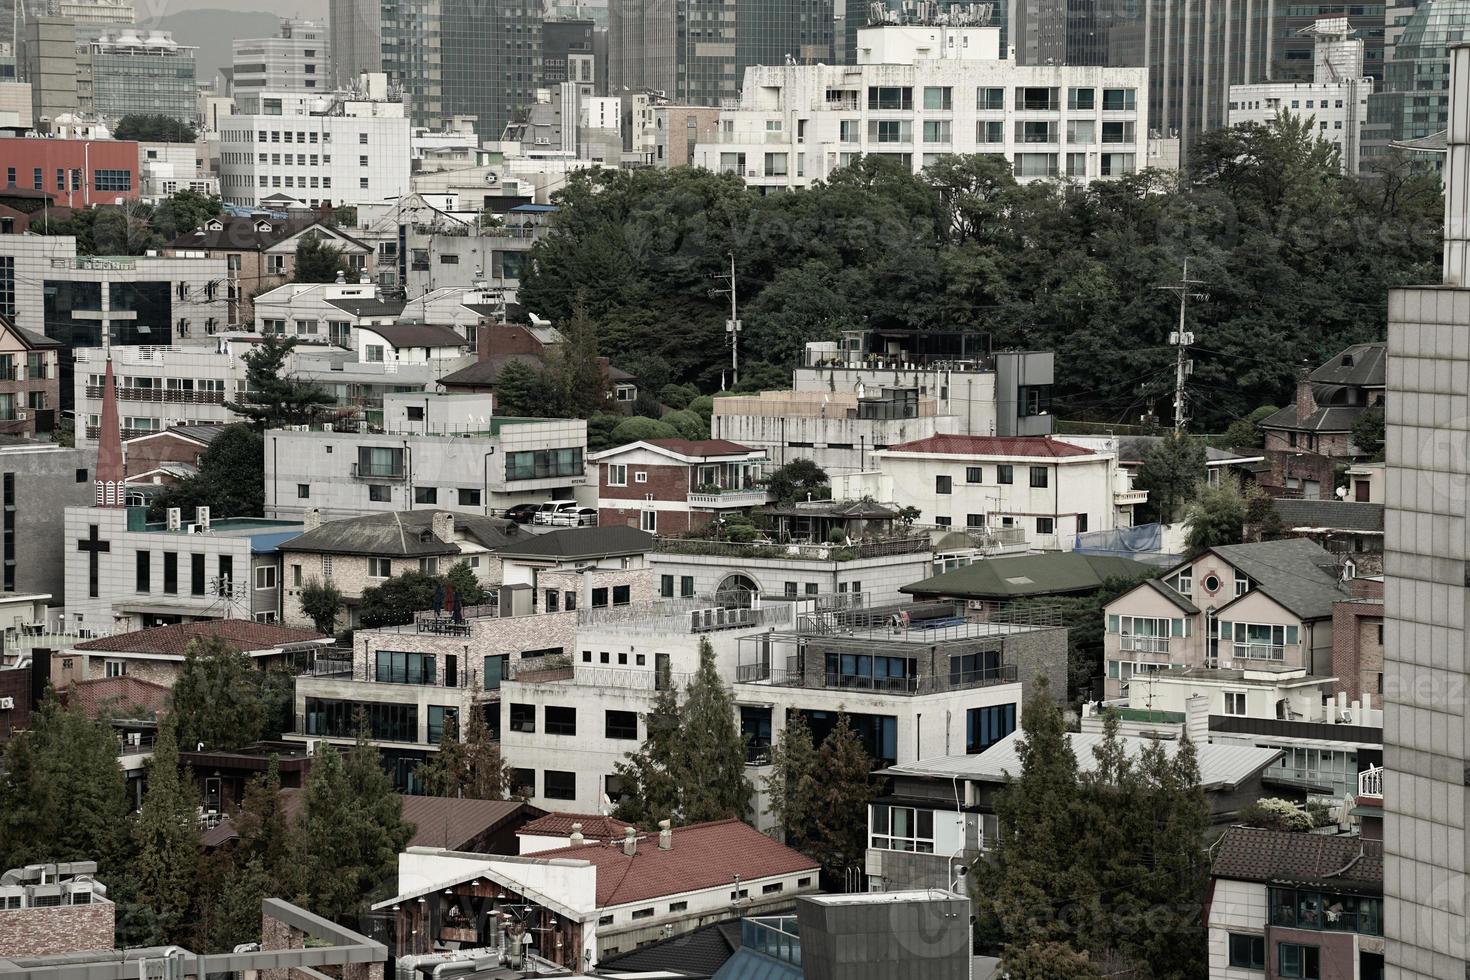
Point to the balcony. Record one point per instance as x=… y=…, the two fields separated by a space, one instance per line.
x=1370 y=782
x=1144 y=644
x=909 y=686
x=162 y=395
x=1130 y=498
x=729 y=497
x=370 y=471
x=793 y=552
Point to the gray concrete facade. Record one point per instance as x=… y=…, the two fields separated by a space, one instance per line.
x=40 y=481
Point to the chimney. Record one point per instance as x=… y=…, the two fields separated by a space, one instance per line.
x=1306 y=402
x=482 y=340
x=577 y=839
x=313 y=519
x=665 y=836
x=630 y=842
x=1457 y=173
x=1197 y=719
x=443 y=526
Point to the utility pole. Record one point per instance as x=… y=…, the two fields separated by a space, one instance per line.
x=1181 y=340
x=733 y=325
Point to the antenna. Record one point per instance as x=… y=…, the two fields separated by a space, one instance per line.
x=1181 y=340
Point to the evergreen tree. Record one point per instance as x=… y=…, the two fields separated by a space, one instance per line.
x=266 y=835
x=650 y=776
x=1180 y=867
x=1215 y=517
x=217 y=700
x=521 y=391
x=317 y=261
x=27 y=814
x=352 y=830
x=395 y=602
x=466 y=583
x=845 y=789
x=574 y=371
x=321 y=602
x=273 y=397
x=227 y=913
x=710 y=764
x=1171 y=472
x=230 y=481
x=472 y=769
x=166 y=836
x=793 y=785
x=1047 y=961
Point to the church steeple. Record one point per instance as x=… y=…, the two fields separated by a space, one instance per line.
x=111 y=489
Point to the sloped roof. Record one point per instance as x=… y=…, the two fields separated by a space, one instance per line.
x=1339 y=515
x=29 y=338
x=1290 y=571
x=704 y=855
x=1359 y=366
x=1351 y=864
x=201 y=434
x=955 y=445
x=1324 y=419
x=1221 y=765
x=244 y=234
x=571 y=543
x=244 y=635
x=487 y=372
x=1184 y=604
x=595 y=826
x=368 y=307
x=420 y=335
x=699 y=953
x=690 y=450
x=1052 y=573
x=404 y=534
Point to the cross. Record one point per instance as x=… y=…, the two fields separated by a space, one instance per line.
x=93 y=547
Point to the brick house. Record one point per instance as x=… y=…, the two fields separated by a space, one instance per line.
x=1357 y=643
x=498 y=345
x=54 y=909
x=260 y=254
x=672 y=486
x=157 y=655
x=169 y=456
x=1310 y=441
x=30 y=386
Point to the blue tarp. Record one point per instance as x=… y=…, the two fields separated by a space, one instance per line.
x=1144 y=542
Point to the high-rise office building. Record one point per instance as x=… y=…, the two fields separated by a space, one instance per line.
x=1414 y=101
x=854 y=15
x=355 y=38
x=696 y=51
x=134 y=72
x=294 y=60
x=1426 y=717
x=574 y=51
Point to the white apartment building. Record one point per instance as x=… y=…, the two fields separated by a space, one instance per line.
x=1052 y=490
x=294 y=60
x=157 y=387
x=344 y=158
x=1335 y=100
x=471 y=461
x=164 y=169
x=918 y=93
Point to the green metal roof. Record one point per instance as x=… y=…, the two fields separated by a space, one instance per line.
x=1052 y=573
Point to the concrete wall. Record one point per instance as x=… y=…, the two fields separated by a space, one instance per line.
x=879 y=577
x=879 y=939
x=48 y=479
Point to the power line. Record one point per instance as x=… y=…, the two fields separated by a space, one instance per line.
x=1182 y=339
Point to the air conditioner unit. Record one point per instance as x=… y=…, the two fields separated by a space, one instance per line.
x=21 y=416
x=7 y=704
x=192 y=529
x=201 y=518
x=175 y=517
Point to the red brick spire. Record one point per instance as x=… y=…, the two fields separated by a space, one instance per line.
x=110 y=478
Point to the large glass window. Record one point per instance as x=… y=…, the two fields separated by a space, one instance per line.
x=339 y=719
x=382 y=461
x=442 y=719
x=1297 y=961
x=986 y=726
x=1257 y=641
x=863 y=670
x=890 y=97
x=394 y=667
x=879 y=733
x=1305 y=908
x=621 y=724
x=755 y=728
x=936 y=98
x=990 y=99
x=559 y=785
x=523 y=718
x=538 y=464
x=1247 y=951
x=900 y=828
x=561 y=720
x=1119 y=99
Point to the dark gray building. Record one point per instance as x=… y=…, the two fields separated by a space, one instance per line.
x=574 y=51
x=38 y=481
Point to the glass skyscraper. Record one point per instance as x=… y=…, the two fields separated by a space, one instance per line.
x=1414 y=100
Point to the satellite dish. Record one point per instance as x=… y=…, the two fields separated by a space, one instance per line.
x=492 y=177
x=1341 y=493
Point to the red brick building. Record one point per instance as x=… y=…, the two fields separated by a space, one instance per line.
x=169 y=456
x=30 y=386
x=76 y=173
x=1357 y=643
x=672 y=486
x=1310 y=441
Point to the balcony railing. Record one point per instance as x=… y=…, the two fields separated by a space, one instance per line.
x=793 y=552
x=730 y=498
x=1370 y=782
x=1269 y=652
x=162 y=395
x=368 y=471
x=1144 y=644
x=912 y=686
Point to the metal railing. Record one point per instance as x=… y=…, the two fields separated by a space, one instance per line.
x=141 y=746
x=1143 y=644
x=793 y=552
x=370 y=472
x=911 y=686
x=693 y=614
x=162 y=395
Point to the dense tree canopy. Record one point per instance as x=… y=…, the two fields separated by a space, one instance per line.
x=153 y=127
x=230 y=481
x=274 y=397
x=134 y=227
x=1297 y=260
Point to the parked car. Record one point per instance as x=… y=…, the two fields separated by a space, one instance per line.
x=587 y=517
x=522 y=513
x=545 y=511
x=565 y=516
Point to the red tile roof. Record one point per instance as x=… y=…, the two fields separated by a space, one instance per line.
x=99 y=693
x=951 y=445
x=594 y=826
x=705 y=855
x=701 y=447
x=244 y=635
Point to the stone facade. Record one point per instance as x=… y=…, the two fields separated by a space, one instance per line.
x=54 y=930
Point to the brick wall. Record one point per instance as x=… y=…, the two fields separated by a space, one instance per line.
x=56 y=929
x=664 y=482
x=1357 y=647
x=149 y=454
x=15 y=684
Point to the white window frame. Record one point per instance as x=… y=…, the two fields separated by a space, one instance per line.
x=115 y=668
x=641 y=476
x=265 y=577
x=380 y=568
x=648 y=521
x=1235 y=703
x=617 y=474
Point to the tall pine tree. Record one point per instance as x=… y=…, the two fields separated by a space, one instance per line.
x=711 y=753
x=649 y=776
x=162 y=875
x=793 y=785
x=843 y=793
x=472 y=769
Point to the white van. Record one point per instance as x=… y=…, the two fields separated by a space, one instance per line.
x=551 y=508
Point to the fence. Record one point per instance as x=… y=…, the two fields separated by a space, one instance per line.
x=793 y=552
x=762 y=673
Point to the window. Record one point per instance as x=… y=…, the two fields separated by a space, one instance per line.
x=678 y=906
x=1117 y=132
x=937 y=99
x=775 y=164
x=380 y=568
x=621 y=724
x=143 y=571
x=622 y=595
x=890 y=97
x=642 y=913
x=986 y=726
x=772 y=888
x=394 y=667
x=385 y=722
x=117 y=668
x=426 y=495
x=1247 y=951
x=640 y=477
x=1005 y=474
x=937 y=131
x=666 y=586
x=900 y=828
x=942 y=522
x=1235 y=702
x=1119 y=100
x=1184 y=584
x=380 y=493
x=1294 y=960
x=1039 y=477
x=469 y=498
x=303 y=491
x=1081 y=132
x=171 y=572
x=560 y=785
x=942 y=484
x=523 y=718
x=648 y=521
x=990 y=131
x=265 y=577
x=1081 y=98
x=196 y=574
x=523 y=782
x=1256 y=641
x=561 y=720
x=1046 y=525
x=990 y=99
x=112 y=180
x=539 y=464
x=442 y=719
x=617 y=475
x=974 y=474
